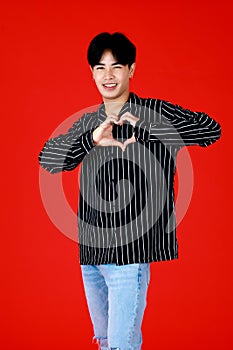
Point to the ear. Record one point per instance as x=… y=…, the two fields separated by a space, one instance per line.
x=132 y=69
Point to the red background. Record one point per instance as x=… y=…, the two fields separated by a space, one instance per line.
x=184 y=56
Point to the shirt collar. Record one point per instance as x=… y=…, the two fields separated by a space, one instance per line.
x=129 y=106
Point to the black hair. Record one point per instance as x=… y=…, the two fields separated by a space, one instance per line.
x=123 y=50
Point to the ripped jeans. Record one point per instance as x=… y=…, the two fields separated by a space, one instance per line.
x=116 y=298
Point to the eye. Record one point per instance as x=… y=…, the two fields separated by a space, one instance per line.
x=118 y=67
x=99 y=68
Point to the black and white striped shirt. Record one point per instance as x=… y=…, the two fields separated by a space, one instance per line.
x=126 y=207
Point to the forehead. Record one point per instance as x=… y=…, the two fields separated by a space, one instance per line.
x=107 y=57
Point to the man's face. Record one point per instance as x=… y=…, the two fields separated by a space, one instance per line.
x=112 y=78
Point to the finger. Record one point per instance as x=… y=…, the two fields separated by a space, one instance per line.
x=120 y=122
x=113 y=116
x=112 y=121
x=130 y=140
x=126 y=114
x=124 y=118
x=118 y=144
x=108 y=122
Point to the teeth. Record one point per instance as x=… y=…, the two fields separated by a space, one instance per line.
x=109 y=85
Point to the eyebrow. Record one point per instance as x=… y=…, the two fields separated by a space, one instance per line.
x=113 y=64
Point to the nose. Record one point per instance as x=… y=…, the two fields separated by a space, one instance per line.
x=108 y=73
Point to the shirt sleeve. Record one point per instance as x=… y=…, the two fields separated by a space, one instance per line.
x=65 y=152
x=179 y=126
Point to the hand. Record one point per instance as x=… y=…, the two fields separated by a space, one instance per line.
x=102 y=136
x=128 y=117
x=129 y=141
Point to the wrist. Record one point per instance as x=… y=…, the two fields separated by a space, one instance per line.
x=94 y=137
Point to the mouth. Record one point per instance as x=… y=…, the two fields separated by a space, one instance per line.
x=110 y=86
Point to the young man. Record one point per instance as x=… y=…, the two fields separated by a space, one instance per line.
x=126 y=217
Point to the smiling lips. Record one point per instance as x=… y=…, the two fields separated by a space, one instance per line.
x=109 y=85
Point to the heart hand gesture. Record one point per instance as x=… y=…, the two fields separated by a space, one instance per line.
x=102 y=135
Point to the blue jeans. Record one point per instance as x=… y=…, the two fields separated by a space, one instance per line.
x=116 y=298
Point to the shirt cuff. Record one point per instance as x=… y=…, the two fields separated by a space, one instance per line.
x=142 y=130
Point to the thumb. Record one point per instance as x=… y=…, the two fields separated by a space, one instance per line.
x=119 y=144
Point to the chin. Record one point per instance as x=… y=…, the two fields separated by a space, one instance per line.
x=110 y=96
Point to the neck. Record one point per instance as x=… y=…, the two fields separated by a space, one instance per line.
x=114 y=107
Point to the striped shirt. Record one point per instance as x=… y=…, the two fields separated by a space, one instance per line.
x=126 y=207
